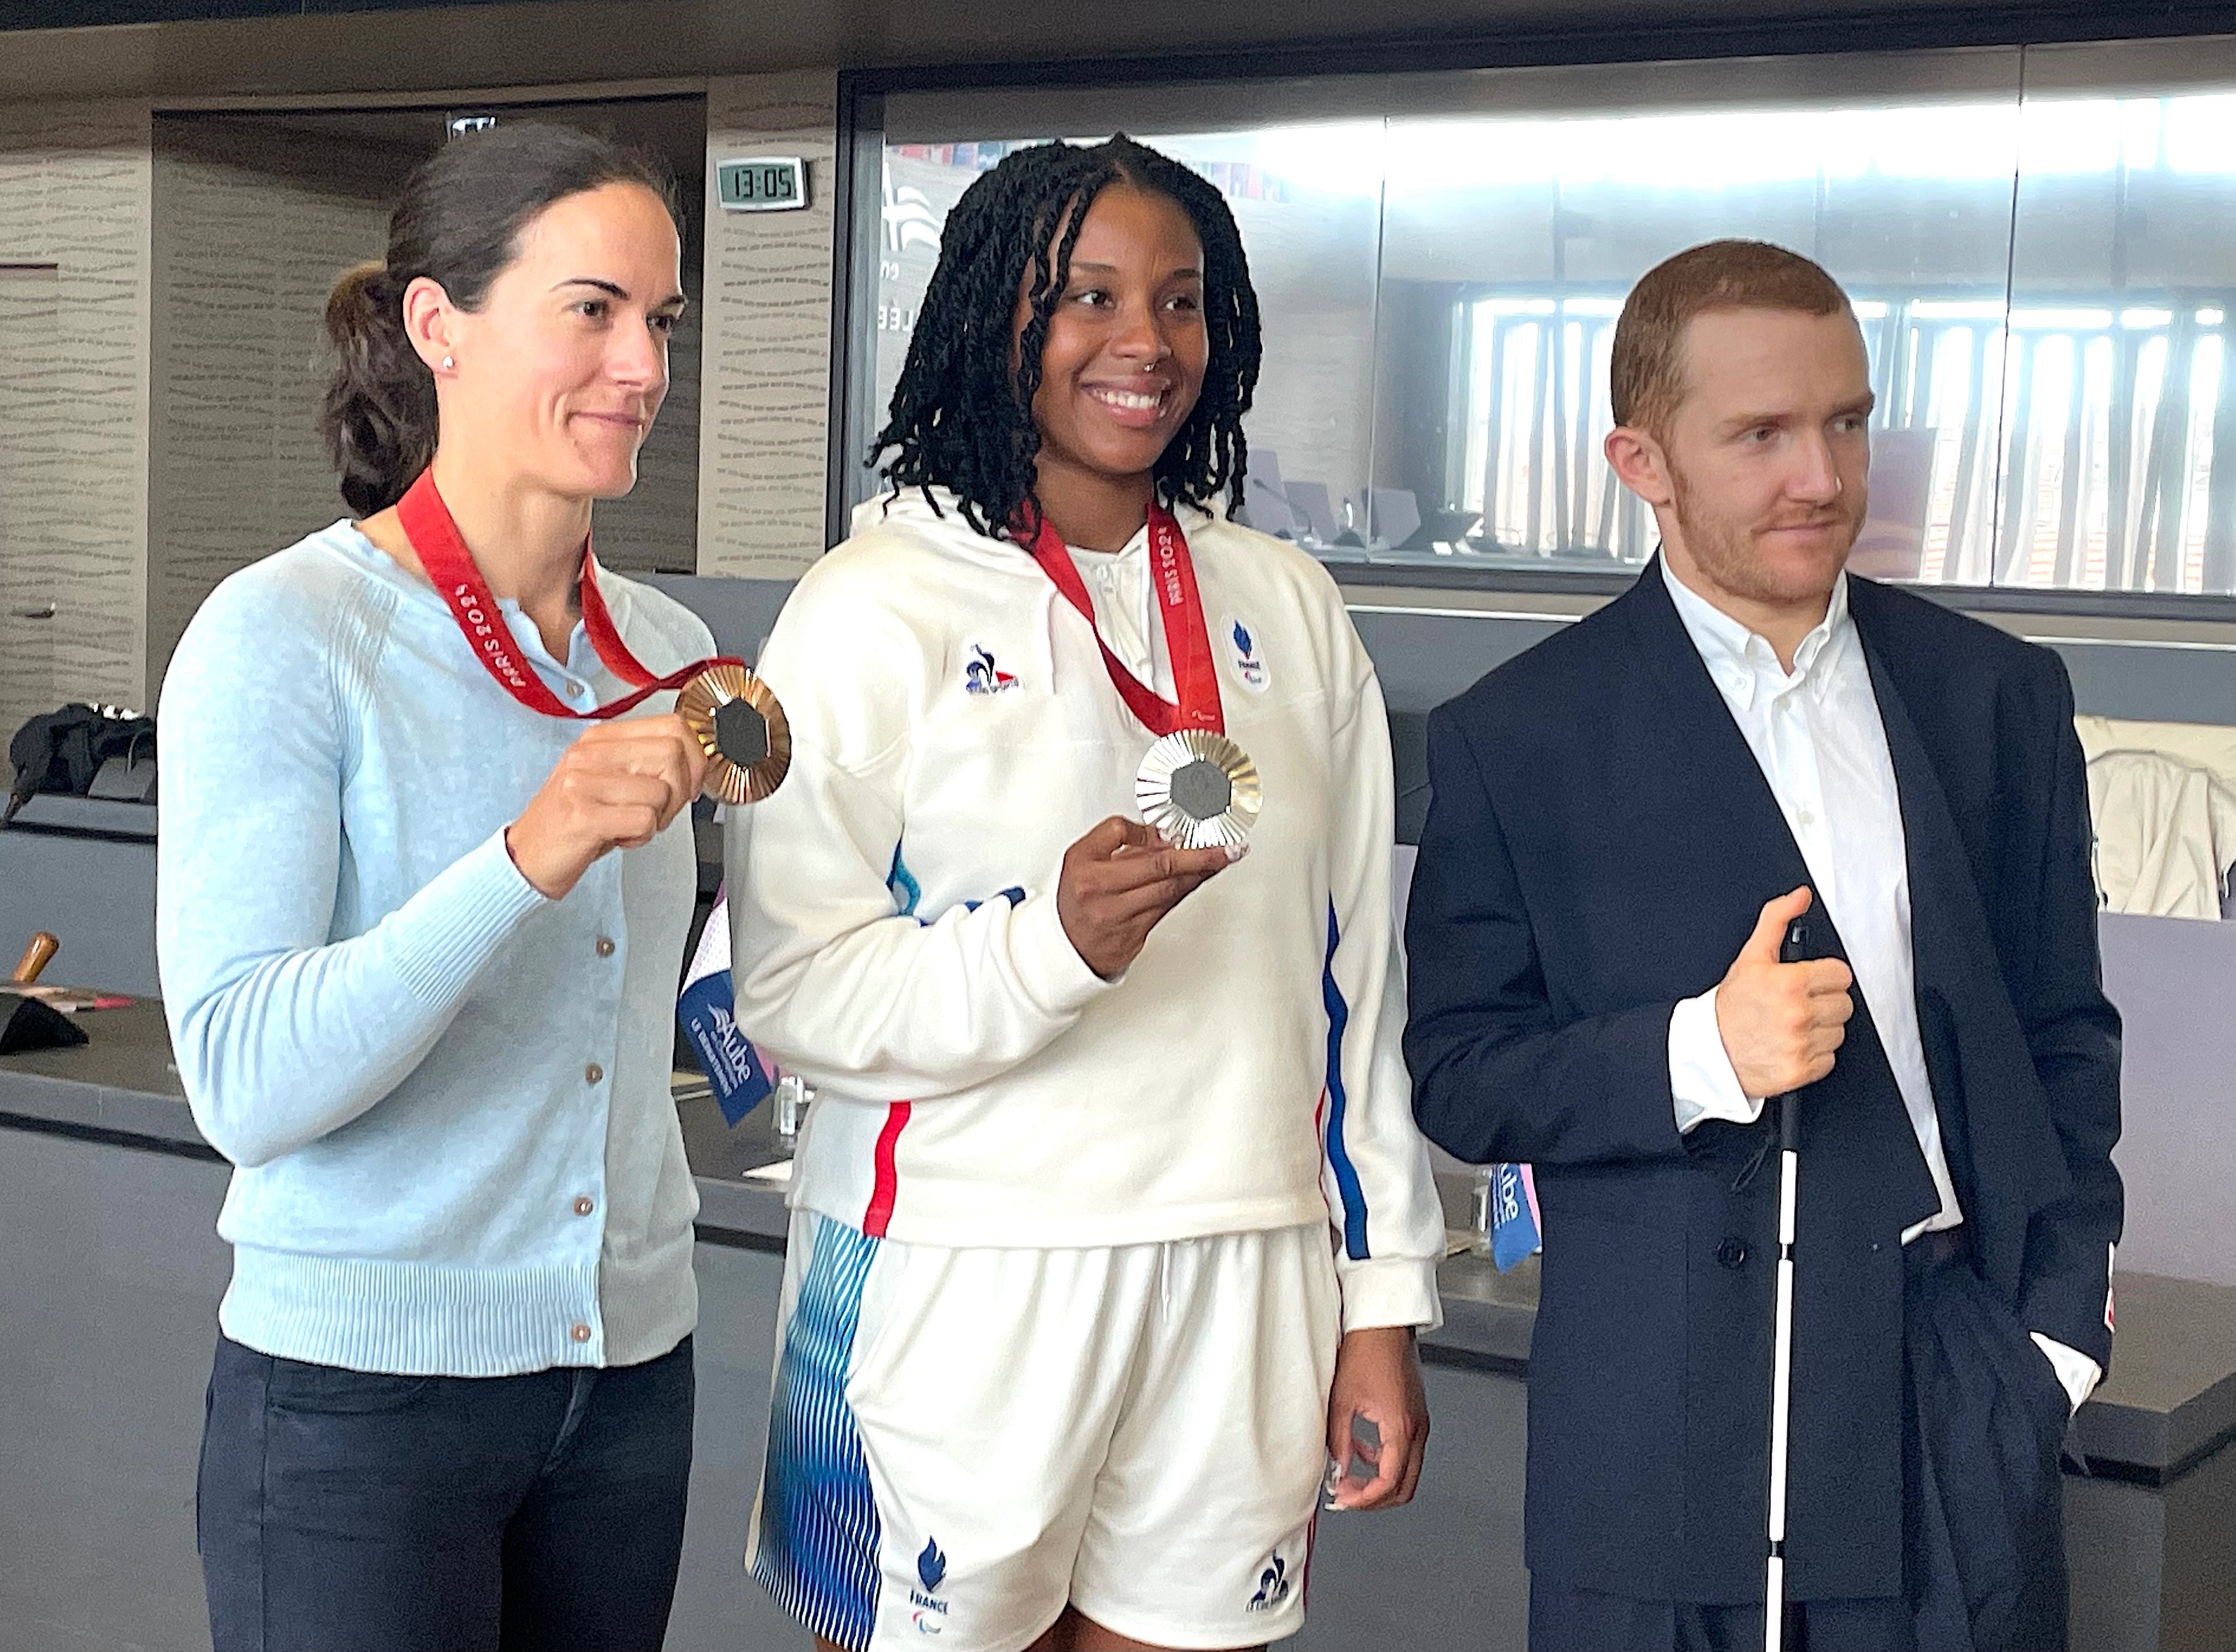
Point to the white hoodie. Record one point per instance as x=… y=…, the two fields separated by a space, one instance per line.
x=894 y=915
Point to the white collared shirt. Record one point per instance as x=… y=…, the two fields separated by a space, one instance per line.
x=1118 y=585
x=1817 y=736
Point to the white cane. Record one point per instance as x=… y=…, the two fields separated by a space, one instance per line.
x=1781 y=1358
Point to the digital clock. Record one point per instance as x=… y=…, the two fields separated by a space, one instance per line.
x=762 y=183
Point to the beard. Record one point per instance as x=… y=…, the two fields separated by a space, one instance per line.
x=1728 y=547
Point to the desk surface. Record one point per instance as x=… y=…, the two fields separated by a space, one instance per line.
x=2171 y=1398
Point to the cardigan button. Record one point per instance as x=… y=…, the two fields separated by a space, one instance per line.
x=595 y=1073
x=585 y=1205
x=605 y=946
x=1732 y=1253
x=580 y=1333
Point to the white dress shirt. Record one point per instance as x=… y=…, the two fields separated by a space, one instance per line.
x=1818 y=738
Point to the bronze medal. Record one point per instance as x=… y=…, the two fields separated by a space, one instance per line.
x=742 y=727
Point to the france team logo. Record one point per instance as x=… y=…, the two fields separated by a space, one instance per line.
x=929 y=1613
x=1247 y=664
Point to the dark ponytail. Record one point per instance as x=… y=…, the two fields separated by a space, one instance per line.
x=458 y=223
x=378 y=416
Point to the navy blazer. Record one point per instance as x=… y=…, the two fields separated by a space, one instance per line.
x=1600 y=842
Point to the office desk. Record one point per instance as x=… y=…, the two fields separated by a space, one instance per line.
x=109 y=1290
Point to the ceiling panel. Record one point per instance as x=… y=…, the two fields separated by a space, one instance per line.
x=282 y=47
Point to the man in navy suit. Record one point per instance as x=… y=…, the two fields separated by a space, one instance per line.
x=1625 y=820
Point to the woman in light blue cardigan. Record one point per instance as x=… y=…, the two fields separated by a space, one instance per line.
x=417 y=997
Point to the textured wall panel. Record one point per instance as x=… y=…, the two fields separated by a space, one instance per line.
x=656 y=527
x=30 y=456
x=255 y=215
x=249 y=234
x=764 y=450
x=73 y=192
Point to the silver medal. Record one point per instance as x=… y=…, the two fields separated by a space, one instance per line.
x=1199 y=789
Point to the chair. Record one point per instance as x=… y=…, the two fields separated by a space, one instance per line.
x=1264 y=505
x=1393 y=517
x=1310 y=501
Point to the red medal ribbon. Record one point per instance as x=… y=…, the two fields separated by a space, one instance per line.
x=1195 y=679
x=427 y=522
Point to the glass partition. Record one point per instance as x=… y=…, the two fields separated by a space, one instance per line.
x=2119 y=455
x=2040 y=244
x=1511 y=240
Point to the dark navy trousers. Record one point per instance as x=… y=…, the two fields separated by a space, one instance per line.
x=1984 y=1419
x=339 y=1511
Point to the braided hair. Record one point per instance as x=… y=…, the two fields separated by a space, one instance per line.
x=962 y=420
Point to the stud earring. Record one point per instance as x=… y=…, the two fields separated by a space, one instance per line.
x=448 y=363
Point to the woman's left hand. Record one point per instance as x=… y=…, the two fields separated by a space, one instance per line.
x=1377 y=1380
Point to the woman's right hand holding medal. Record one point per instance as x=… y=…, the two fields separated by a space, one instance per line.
x=1118 y=881
x=617 y=787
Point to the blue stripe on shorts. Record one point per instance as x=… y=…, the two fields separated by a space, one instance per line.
x=818 y=1554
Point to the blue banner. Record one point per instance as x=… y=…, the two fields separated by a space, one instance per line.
x=733 y=1067
x=1514 y=1236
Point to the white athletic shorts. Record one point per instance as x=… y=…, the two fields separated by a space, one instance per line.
x=962 y=1441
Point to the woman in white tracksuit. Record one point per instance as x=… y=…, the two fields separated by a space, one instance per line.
x=1112 y=1220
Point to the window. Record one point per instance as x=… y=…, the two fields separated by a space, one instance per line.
x=2041 y=244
